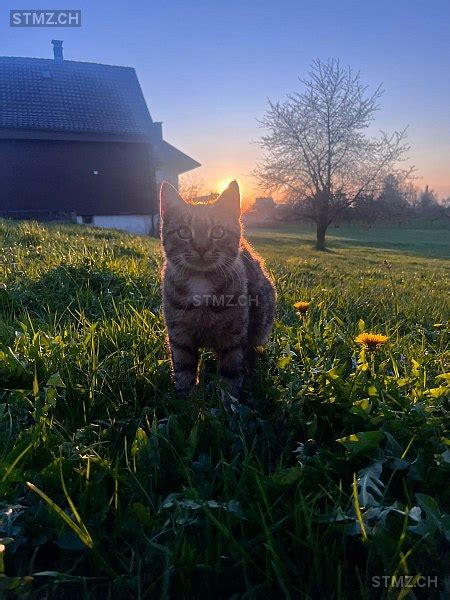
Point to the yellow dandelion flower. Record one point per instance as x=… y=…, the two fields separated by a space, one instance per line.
x=302 y=307
x=371 y=340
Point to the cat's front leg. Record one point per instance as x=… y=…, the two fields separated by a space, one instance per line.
x=184 y=365
x=231 y=367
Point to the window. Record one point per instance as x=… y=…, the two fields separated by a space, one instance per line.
x=87 y=219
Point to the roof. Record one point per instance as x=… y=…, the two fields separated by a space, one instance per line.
x=168 y=154
x=62 y=97
x=37 y=93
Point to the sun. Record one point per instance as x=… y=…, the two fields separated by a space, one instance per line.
x=223 y=184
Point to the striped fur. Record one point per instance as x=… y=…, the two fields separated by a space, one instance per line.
x=216 y=292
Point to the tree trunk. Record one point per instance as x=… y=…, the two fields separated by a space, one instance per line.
x=320 y=235
x=322 y=221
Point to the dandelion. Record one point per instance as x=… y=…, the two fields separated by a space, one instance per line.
x=302 y=307
x=371 y=340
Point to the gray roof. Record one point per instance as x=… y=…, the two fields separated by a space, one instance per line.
x=70 y=97
x=37 y=93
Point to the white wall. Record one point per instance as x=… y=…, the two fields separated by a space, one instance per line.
x=132 y=223
x=141 y=224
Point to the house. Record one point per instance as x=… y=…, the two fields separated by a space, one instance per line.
x=264 y=206
x=77 y=142
x=262 y=211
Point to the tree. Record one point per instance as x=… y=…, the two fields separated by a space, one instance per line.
x=392 y=200
x=365 y=210
x=428 y=206
x=190 y=186
x=427 y=199
x=411 y=196
x=316 y=149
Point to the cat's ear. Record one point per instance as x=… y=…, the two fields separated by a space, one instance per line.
x=229 y=201
x=170 y=200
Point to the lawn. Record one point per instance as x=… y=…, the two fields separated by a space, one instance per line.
x=333 y=475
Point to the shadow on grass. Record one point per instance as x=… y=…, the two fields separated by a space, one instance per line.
x=410 y=242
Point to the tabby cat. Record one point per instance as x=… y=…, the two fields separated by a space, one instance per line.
x=216 y=292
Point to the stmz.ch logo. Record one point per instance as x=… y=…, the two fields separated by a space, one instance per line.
x=45 y=18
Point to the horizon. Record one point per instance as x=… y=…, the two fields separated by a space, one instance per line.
x=207 y=75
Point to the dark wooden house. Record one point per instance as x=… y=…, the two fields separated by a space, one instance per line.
x=77 y=142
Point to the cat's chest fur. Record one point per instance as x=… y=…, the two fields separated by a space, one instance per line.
x=200 y=290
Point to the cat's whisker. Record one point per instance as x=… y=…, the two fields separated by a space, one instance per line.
x=226 y=268
x=235 y=271
x=224 y=272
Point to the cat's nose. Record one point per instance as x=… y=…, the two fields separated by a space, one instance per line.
x=201 y=251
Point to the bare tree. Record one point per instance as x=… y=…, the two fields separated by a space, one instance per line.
x=191 y=186
x=411 y=194
x=316 y=149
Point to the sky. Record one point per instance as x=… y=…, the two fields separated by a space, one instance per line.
x=207 y=68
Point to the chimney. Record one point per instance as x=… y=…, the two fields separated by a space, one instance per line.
x=158 y=129
x=57 y=50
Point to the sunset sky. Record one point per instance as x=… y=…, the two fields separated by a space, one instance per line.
x=207 y=68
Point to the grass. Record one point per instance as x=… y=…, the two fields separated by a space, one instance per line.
x=336 y=473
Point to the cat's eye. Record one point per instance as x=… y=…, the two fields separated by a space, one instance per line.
x=217 y=232
x=184 y=233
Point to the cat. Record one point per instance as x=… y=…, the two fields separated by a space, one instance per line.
x=216 y=292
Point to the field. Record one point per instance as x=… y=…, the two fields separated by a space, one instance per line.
x=333 y=474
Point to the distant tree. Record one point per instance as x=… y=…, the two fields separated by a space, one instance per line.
x=446 y=203
x=365 y=209
x=316 y=150
x=427 y=199
x=392 y=200
x=190 y=186
x=446 y=208
x=411 y=195
x=429 y=207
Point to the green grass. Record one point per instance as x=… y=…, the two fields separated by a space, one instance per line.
x=336 y=472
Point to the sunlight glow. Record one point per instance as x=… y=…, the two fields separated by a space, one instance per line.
x=224 y=183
